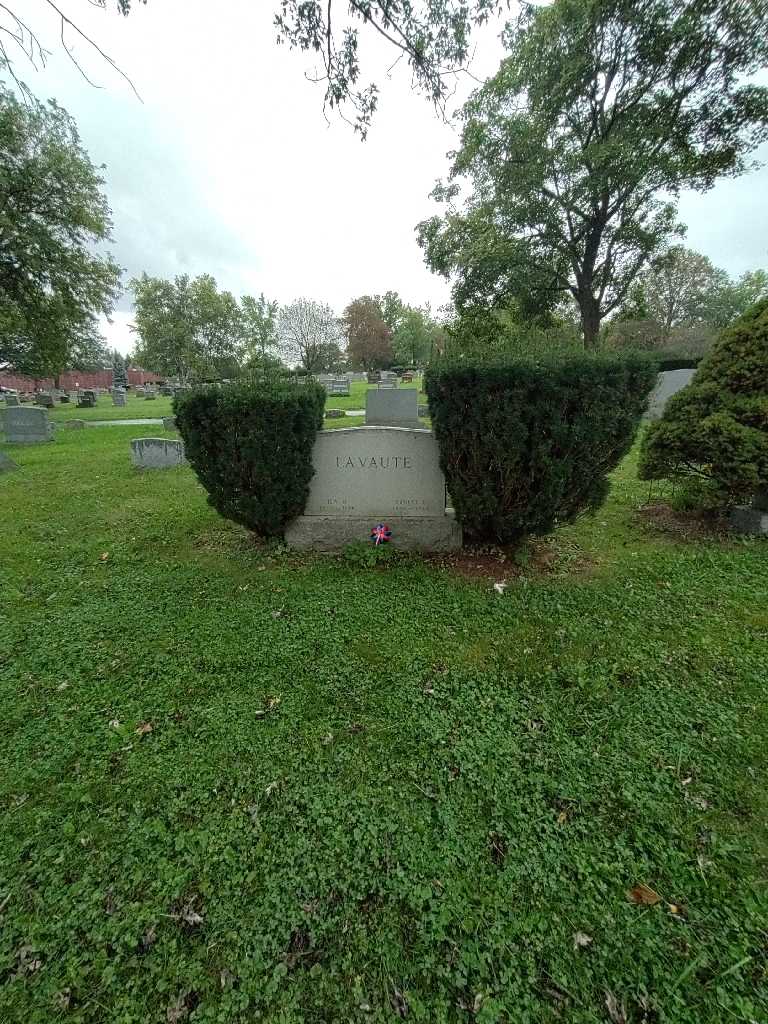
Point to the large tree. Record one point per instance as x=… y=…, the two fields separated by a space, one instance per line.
x=576 y=149
x=54 y=282
x=369 y=338
x=678 y=289
x=119 y=370
x=416 y=336
x=259 y=328
x=186 y=327
x=310 y=336
x=681 y=294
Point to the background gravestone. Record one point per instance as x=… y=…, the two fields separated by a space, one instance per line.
x=74 y=425
x=118 y=397
x=86 y=400
x=27 y=425
x=392 y=408
x=157 y=453
x=337 y=386
x=751 y=519
x=12 y=400
x=669 y=382
x=45 y=401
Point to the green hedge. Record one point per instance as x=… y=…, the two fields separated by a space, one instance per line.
x=251 y=447
x=527 y=445
x=716 y=429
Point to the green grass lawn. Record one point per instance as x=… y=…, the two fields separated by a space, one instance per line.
x=242 y=785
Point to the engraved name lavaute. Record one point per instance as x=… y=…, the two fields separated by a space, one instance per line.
x=374 y=462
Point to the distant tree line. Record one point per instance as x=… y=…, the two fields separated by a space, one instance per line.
x=189 y=329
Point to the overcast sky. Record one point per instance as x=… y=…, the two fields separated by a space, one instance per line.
x=229 y=167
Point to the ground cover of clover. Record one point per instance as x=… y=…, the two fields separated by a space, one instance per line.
x=237 y=784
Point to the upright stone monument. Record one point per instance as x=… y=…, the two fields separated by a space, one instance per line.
x=11 y=400
x=118 y=397
x=27 y=425
x=44 y=400
x=392 y=408
x=337 y=386
x=87 y=399
x=369 y=475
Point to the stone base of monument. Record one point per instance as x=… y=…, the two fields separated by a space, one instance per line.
x=409 y=533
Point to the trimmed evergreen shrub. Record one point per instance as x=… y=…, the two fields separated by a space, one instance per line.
x=251 y=447
x=716 y=429
x=527 y=445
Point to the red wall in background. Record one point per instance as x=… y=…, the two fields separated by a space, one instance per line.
x=68 y=380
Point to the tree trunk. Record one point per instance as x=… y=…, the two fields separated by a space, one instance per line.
x=590 y=321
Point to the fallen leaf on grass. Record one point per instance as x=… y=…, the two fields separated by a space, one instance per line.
x=562 y=818
x=399 y=1004
x=178 y=1010
x=644 y=895
x=616 y=1011
x=143 y=728
x=27 y=962
x=272 y=704
x=63 y=999
x=472 y=1007
x=500 y=587
x=581 y=940
x=103 y=556
x=187 y=914
x=115 y=723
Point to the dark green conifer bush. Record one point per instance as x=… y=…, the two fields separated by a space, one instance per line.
x=527 y=444
x=715 y=431
x=251 y=447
